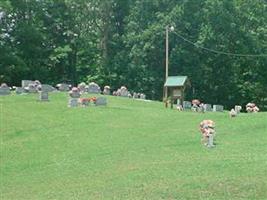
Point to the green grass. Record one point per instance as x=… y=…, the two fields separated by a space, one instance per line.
x=127 y=150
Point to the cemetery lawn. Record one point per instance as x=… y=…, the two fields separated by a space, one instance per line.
x=128 y=150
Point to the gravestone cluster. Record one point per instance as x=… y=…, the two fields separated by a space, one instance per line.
x=139 y=95
x=74 y=95
x=196 y=106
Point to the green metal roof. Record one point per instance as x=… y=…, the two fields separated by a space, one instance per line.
x=175 y=81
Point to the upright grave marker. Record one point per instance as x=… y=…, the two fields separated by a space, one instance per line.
x=74 y=96
x=217 y=108
x=4 y=89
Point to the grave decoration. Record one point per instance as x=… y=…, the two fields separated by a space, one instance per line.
x=195 y=105
x=84 y=102
x=252 y=108
x=207 y=129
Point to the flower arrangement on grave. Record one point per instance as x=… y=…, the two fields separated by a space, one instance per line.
x=251 y=107
x=207 y=129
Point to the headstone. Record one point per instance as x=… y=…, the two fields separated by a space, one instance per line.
x=43 y=96
x=207 y=107
x=187 y=104
x=93 y=88
x=124 y=91
x=4 y=89
x=101 y=101
x=63 y=87
x=135 y=95
x=19 y=90
x=74 y=96
x=82 y=87
x=217 y=108
x=142 y=96
x=74 y=93
x=73 y=102
x=25 y=83
x=31 y=88
x=47 y=88
x=238 y=108
x=106 y=90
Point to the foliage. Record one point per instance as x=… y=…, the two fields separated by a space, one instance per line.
x=122 y=42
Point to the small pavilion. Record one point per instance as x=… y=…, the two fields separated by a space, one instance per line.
x=174 y=88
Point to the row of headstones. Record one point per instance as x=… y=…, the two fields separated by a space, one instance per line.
x=28 y=86
x=123 y=92
x=205 y=108
x=75 y=99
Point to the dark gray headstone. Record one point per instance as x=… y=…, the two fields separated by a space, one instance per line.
x=63 y=87
x=4 y=91
x=73 y=102
x=43 y=96
x=217 y=108
x=187 y=104
x=47 y=88
x=19 y=90
x=101 y=101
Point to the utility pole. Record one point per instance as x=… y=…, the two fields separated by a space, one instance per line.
x=168 y=28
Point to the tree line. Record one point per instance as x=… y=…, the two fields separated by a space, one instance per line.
x=122 y=42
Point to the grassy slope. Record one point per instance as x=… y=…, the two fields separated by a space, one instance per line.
x=127 y=150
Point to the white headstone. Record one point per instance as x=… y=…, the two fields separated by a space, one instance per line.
x=217 y=108
x=106 y=90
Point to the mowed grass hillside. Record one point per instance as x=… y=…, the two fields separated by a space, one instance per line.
x=128 y=150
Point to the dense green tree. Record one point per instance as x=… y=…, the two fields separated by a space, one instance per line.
x=122 y=42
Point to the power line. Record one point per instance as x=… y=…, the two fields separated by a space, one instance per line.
x=220 y=52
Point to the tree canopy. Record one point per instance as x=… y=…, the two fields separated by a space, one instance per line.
x=221 y=45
